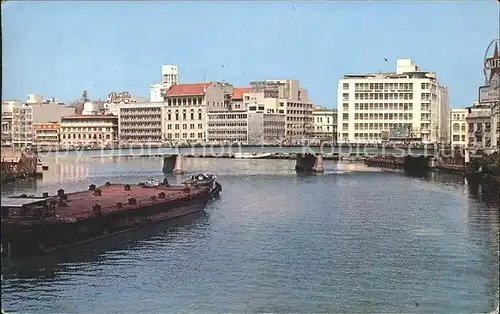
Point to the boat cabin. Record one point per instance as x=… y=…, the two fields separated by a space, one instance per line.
x=27 y=207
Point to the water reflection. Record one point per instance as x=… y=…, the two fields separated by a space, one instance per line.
x=47 y=267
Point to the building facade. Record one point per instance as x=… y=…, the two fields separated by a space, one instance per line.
x=140 y=123
x=186 y=107
x=458 y=127
x=169 y=77
x=371 y=105
x=7 y=111
x=324 y=124
x=94 y=131
x=283 y=97
x=46 y=134
x=24 y=116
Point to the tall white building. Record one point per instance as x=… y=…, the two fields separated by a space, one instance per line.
x=458 y=127
x=169 y=77
x=324 y=124
x=372 y=107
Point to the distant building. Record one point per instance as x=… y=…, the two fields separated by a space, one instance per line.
x=482 y=127
x=324 y=124
x=24 y=116
x=34 y=98
x=7 y=111
x=186 y=107
x=46 y=134
x=169 y=77
x=372 y=104
x=283 y=97
x=239 y=93
x=140 y=123
x=458 y=130
x=89 y=131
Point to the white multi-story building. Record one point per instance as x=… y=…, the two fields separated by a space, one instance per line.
x=324 y=124
x=7 y=110
x=186 y=108
x=140 y=123
x=458 y=127
x=283 y=97
x=24 y=116
x=371 y=105
x=246 y=127
x=169 y=77
x=89 y=131
x=34 y=98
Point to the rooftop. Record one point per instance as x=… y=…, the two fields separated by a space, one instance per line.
x=90 y=116
x=239 y=91
x=188 y=89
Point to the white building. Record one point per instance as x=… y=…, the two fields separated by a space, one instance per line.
x=140 y=123
x=34 y=98
x=324 y=124
x=186 y=108
x=169 y=77
x=283 y=97
x=483 y=127
x=458 y=130
x=96 y=131
x=245 y=127
x=7 y=111
x=371 y=105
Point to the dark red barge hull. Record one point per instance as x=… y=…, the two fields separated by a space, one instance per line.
x=75 y=225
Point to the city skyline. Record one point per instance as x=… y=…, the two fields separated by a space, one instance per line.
x=285 y=44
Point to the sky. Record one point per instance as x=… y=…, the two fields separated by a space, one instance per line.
x=58 y=49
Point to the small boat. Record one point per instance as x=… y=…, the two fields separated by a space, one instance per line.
x=205 y=180
x=253 y=155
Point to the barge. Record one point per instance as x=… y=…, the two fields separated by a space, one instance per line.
x=38 y=225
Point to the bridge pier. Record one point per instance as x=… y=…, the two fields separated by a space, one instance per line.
x=172 y=164
x=309 y=163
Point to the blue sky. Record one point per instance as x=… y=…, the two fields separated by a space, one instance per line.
x=60 y=48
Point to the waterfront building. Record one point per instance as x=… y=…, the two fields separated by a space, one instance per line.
x=186 y=108
x=169 y=77
x=458 y=130
x=483 y=127
x=324 y=124
x=7 y=110
x=46 y=134
x=245 y=127
x=24 y=115
x=370 y=105
x=96 y=131
x=283 y=97
x=140 y=123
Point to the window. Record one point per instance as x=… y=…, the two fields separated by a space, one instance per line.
x=345 y=96
x=345 y=116
x=345 y=106
x=345 y=86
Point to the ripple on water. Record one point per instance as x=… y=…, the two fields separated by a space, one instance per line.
x=343 y=241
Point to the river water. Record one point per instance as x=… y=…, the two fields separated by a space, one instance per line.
x=350 y=240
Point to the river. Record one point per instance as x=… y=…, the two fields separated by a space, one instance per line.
x=353 y=239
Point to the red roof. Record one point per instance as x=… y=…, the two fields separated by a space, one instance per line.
x=187 y=89
x=239 y=91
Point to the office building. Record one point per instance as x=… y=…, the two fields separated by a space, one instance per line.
x=371 y=105
x=458 y=130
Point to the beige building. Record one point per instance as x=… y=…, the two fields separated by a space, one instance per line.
x=24 y=116
x=7 y=111
x=140 y=123
x=324 y=124
x=186 y=108
x=89 y=131
x=46 y=134
x=371 y=105
x=483 y=127
x=458 y=127
x=283 y=96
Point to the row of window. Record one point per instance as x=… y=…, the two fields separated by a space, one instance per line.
x=184 y=126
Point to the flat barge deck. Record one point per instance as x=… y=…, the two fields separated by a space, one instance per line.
x=37 y=225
